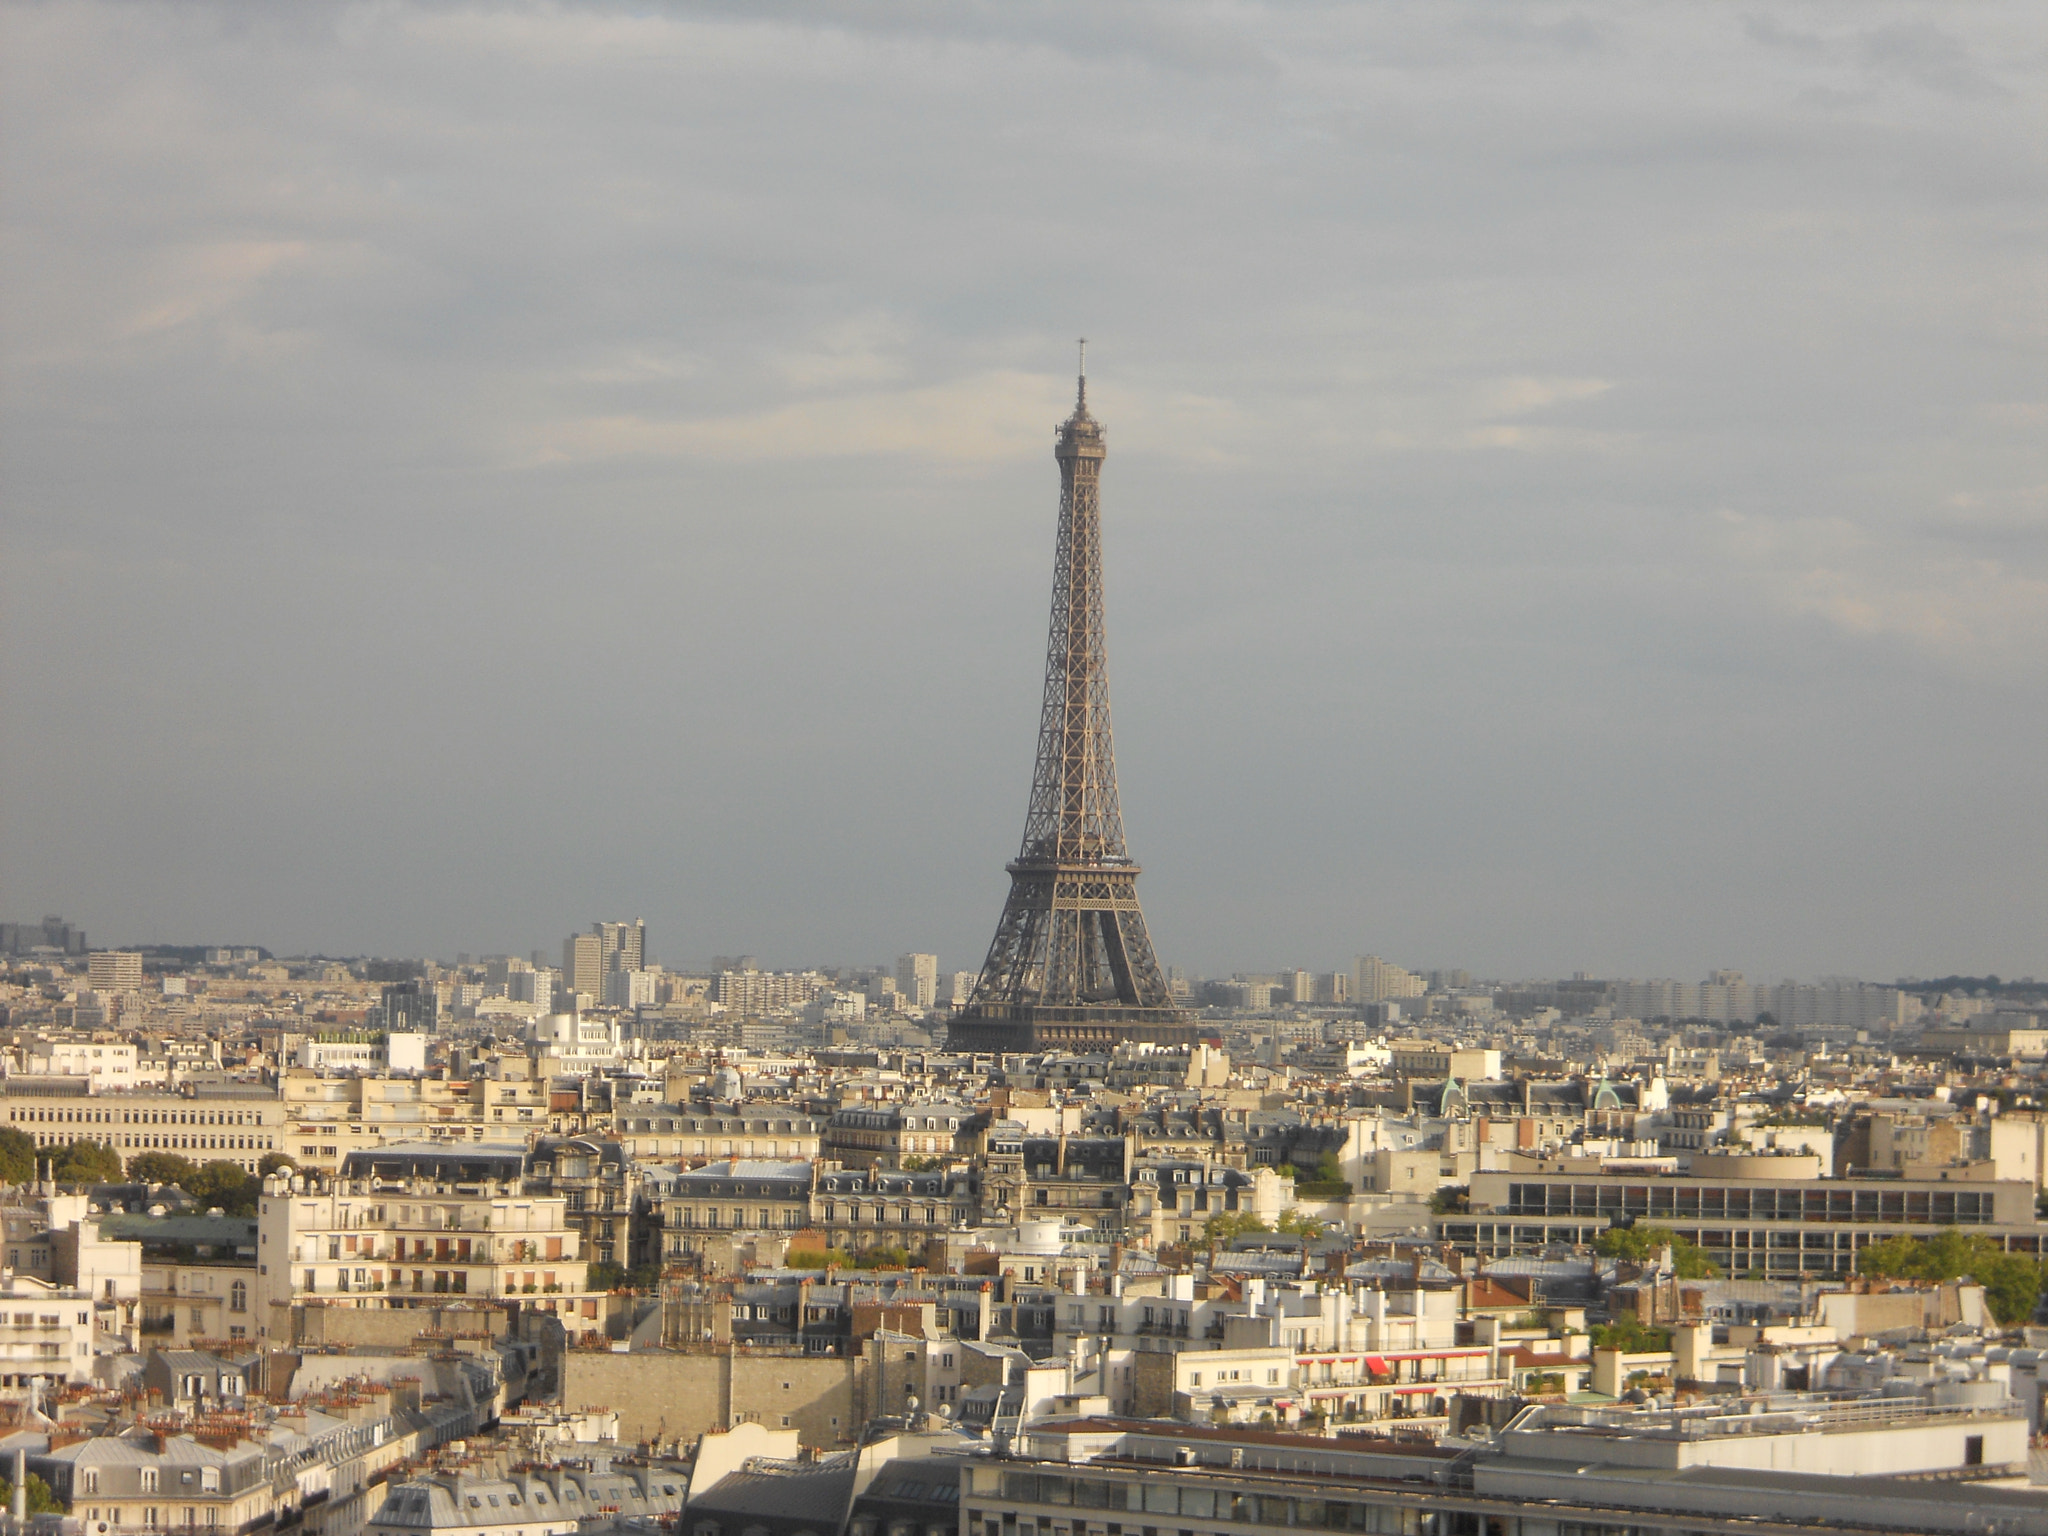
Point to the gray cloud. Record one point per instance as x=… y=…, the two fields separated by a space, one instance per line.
x=1574 y=499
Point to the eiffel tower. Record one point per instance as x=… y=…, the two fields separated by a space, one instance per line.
x=1071 y=966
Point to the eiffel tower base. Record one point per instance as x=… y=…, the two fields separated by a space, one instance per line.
x=994 y=1028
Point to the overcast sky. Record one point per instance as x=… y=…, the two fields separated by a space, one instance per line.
x=1577 y=496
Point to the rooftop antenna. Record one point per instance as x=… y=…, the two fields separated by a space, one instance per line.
x=1082 y=397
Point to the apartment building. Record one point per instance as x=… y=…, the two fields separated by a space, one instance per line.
x=140 y=1481
x=891 y=1135
x=1284 y=1351
x=702 y=1205
x=748 y=991
x=1433 y=1061
x=917 y=978
x=58 y=1240
x=1172 y=1200
x=698 y=1133
x=1374 y=980
x=101 y=1056
x=599 y=1187
x=583 y=967
x=860 y=1208
x=114 y=970
x=46 y=1332
x=1084 y=1179
x=409 y=1223
x=549 y=1502
x=184 y=1302
x=325 y=1118
x=1412 y=1389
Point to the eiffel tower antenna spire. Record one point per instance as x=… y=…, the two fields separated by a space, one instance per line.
x=1071 y=965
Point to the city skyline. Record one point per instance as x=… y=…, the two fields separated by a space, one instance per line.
x=919 y=971
x=1578 y=488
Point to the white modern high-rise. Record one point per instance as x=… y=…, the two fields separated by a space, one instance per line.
x=1374 y=980
x=917 y=978
x=114 y=970
x=632 y=989
x=534 y=985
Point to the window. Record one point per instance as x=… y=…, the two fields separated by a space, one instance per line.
x=238 y=1296
x=149 y=1486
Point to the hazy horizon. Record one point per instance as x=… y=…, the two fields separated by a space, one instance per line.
x=1576 y=495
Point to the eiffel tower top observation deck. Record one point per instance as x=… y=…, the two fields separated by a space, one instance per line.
x=1071 y=965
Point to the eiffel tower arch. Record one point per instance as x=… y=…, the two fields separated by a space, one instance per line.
x=1072 y=966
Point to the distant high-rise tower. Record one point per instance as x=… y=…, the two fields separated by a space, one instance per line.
x=583 y=965
x=114 y=970
x=917 y=978
x=624 y=944
x=410 y=1007
x=1071 y=965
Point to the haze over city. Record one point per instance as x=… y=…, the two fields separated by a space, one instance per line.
x=1575 y=496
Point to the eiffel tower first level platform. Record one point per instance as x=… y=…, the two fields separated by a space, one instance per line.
x=1072 y=966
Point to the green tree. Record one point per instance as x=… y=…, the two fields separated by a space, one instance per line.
x=606 y=1276
x=1304 y=1227
x=1325 y=1182
x=1629 y=1336
x=17 y=1156
x=1450 y=1200
x=1639 y=1244
x=1225 y=1225
x=161 y=1168
x=86 y=1162
x=40 y=1500
x=2012 y=1284
x=273 y=1162
x=224 y=1184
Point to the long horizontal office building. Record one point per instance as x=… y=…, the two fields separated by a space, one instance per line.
x=1761 y=1468
x=1770 y=1226
x=235 y=1126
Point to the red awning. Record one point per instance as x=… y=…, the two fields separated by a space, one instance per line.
x=1377 y=1364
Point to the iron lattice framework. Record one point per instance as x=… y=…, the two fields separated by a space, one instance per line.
x=1072 y=964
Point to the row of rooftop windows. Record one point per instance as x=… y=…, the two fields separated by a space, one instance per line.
x=1162 y=1496
x=1870 y=1203
x=33 y=1115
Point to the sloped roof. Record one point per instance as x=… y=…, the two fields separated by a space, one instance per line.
x=817 y=1496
